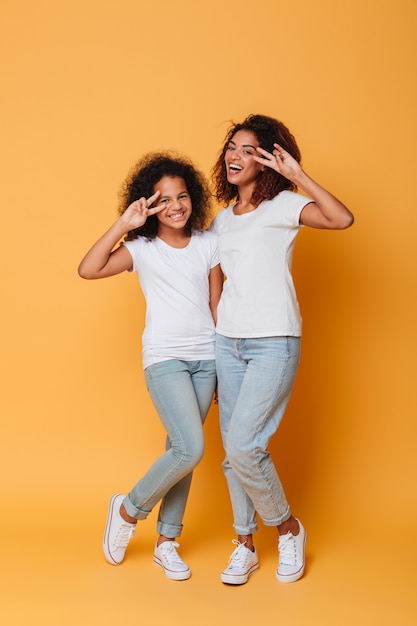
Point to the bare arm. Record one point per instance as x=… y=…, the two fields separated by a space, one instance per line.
x=102 y=259
x=325 y=210
x=216 y=288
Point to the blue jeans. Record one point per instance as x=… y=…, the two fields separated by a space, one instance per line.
x=255 y=380
x=182 y=392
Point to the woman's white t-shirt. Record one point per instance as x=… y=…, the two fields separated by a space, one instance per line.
x=174 y=282
x=259 y=298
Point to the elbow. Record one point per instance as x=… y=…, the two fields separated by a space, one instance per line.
x=349 y=221
x=345 y=222
x=84 y=273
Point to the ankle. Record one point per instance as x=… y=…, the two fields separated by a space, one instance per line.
x=124 y=515
x=291 y=525
x=247 y=541
x=163 y=539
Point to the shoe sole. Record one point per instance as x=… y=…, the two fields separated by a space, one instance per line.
x=292 y=578
x=106 y=548
x=229 y=579
x=170 y=574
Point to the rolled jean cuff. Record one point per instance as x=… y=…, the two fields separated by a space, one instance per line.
x=240 y=530
x=278 y=520
x=133 y=511
x=168 y=530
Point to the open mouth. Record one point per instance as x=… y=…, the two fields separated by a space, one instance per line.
x=177 y=216
x=234 y=169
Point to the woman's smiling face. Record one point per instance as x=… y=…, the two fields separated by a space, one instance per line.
x=241 y=168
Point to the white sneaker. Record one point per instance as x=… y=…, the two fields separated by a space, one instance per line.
x=242 y=563
x=118 y=532
x=291 y=556
x=166 y=556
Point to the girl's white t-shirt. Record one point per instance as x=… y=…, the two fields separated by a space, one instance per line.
x=259 y=298
x=174 y=282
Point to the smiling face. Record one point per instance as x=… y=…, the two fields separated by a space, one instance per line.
x=240 y=166
x=177 y=202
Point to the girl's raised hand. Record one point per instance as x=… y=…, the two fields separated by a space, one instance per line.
x=280 y=160
x=138 y=211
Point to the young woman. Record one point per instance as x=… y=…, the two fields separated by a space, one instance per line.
x=164 y=210
x=259 y=325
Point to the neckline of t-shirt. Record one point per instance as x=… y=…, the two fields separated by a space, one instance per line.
x=260 y=206
x=247 y=212
x=173 y=247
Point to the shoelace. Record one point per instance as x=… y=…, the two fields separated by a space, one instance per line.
x=124 y=534
x=239 y=556
x=168 y=550
x=287 y=549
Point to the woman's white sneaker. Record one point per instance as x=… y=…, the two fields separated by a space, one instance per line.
x=291 y=556
x=242 y=563
x=166 y=556
x=118 y=532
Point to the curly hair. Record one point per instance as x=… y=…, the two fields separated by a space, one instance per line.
x=267 y=131
x=148 y=171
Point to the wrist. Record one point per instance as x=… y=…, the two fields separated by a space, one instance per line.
x=122 y=226
x=301 y=179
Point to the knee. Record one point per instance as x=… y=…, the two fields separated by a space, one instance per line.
x=196 y=453
x=239 y=455
x=189 y=456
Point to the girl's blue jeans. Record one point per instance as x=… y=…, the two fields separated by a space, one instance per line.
x=182 y=392
x=255 y=380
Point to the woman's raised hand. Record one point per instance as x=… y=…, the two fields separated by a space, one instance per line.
x=279 y=160
x=324 y=210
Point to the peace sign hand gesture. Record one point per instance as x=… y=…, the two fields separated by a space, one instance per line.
x=103 y=259
x=280 y=160
x=138 y=211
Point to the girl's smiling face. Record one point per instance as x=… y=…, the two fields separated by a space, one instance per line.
x=241 y=168
x=175 y=198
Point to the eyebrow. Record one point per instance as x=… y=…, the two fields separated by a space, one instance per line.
x=244 y=145
x=173 y=196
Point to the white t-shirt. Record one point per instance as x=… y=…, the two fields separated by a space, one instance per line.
x=174 y=281
x=259 y=298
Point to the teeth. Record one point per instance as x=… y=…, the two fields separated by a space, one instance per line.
x=235 y=167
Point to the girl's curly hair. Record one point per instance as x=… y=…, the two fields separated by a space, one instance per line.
x=267 y=131
x=148 y=171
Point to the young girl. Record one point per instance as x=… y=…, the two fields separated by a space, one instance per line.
x=259 y=324
x=164 y=210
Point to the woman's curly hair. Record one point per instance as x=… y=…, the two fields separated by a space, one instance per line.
x=148 y=171
x=267 y=131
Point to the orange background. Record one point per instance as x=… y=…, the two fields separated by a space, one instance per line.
x=88 y=87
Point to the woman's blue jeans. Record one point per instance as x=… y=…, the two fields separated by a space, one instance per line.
x=182 y=392
x=255 y=380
